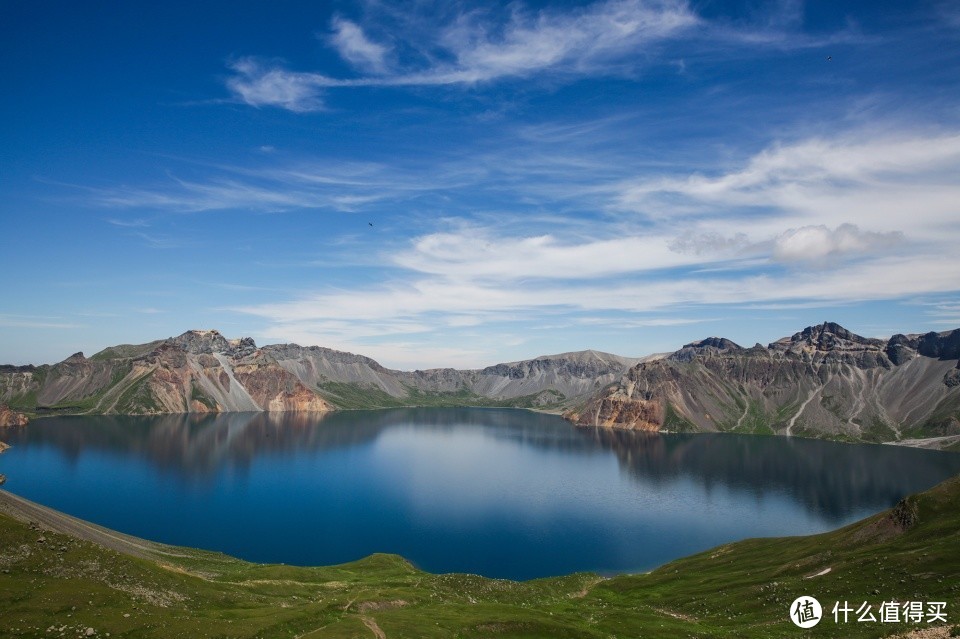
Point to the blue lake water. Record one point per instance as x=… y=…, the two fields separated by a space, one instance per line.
x=503 y=493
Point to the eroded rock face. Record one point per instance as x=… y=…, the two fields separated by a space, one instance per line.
x=822 y=381
x=623 y=412
x=203 y=371
x=196 y=372
x=10 y=418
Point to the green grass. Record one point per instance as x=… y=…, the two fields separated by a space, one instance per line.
x=90 y=402
x=676 y=423
x=126 y=351
x=356 y=396
x=878 y=431
x=736 y=590
x=25 y=402
x=782 y=416
x=756 y=421
x=137 y=398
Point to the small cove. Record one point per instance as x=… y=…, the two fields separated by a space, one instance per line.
x=503 y=493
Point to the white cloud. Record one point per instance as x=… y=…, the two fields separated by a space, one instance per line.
x=574 y=42
x=708 y=243
x=874 y=182
x=813 y=243
x=477 y=254
x=354 y=46
x=258 y=84
x=360 y=313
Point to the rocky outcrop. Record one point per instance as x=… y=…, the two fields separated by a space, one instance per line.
x=196 y=372
x=824 y=381
x=9 y=418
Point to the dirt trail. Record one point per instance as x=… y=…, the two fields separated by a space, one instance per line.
x=49 y=519
x=372 y=625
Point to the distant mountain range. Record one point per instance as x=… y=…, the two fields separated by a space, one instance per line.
x=202 y=371
x=821 y=382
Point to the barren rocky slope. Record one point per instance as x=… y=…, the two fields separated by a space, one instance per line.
x=202 y=371
x=197 y=372
x=356 y=381
x=823 y=381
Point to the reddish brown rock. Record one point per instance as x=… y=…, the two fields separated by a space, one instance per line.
x=10 y=417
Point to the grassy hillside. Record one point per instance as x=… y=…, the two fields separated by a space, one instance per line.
x=56 y=584
x=350 y=396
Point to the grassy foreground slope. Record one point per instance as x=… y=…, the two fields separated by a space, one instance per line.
x=63 y=577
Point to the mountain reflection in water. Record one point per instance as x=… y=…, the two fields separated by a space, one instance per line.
x=525 y=492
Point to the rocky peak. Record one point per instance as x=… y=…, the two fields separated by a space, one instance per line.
x=208 y=342
x=577 y=364
x=720 y=343
x=705 y=347
x=944 y=345
x=828 y=336
x=901 y=349
x=297 y=352
x=242 y=347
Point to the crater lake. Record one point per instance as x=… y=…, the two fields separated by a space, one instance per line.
x=497 y=492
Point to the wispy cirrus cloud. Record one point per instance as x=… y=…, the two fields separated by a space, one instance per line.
x=275 y=188
x=477 y=47
x=484 y=45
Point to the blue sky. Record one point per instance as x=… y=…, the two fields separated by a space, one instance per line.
x=460 y=184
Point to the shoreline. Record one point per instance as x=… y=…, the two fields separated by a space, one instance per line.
x=938 y=444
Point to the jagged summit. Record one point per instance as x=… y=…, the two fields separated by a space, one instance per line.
x=823 y=381
x=825 y=337
x=705 y=347
x=211 y=341
x=721 y=343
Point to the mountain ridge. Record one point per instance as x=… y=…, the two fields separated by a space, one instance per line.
x=203 y=371
x=822 y=381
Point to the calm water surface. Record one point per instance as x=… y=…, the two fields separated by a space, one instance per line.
x=503 y=493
